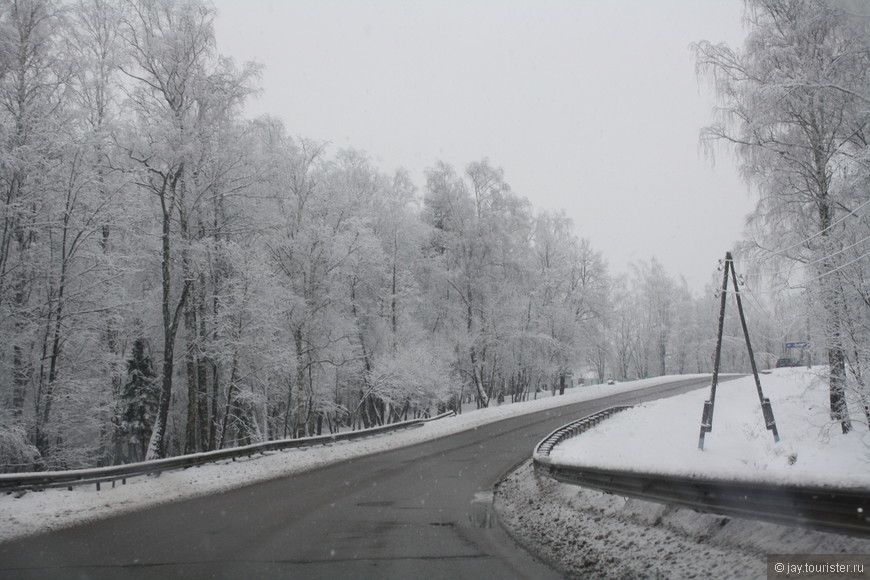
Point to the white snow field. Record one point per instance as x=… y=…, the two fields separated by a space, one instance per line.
x=36 y=512
x=662 y=436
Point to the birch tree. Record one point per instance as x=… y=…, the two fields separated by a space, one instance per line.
x=179 y=93
x=793 y=105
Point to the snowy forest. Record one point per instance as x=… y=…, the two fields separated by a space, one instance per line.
x=176 y=277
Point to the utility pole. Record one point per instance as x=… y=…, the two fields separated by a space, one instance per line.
x=766 y=408
x=707 y=416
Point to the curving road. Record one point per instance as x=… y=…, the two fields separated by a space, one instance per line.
x=417 y=512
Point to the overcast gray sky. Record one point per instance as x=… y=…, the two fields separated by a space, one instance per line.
x=589 y=106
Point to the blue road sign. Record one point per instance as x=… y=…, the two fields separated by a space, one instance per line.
x=799 y=344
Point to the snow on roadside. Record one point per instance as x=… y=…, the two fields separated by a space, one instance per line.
x=589 y=534
x=662 y=436
x=37 y=512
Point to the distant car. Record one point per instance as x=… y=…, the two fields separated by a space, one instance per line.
x=787 y=362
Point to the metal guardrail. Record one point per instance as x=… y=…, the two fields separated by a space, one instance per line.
x=575 y=428
x=47 y=479
x=839 y=510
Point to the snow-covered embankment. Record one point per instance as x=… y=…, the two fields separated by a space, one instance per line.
x=588 y=533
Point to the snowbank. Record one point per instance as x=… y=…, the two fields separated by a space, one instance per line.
x=662 y=436
x=589 y=534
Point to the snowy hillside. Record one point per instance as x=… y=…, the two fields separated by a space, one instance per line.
x=662 y=436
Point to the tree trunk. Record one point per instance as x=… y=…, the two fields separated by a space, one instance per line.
x=190 y=433
x=229 y=403
x=157 y=445
x=202 y=398
x=299 y=383
x=833 y=302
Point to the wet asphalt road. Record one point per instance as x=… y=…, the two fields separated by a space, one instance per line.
x=418 y=512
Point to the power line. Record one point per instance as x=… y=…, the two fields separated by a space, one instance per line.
x=799 y=264
x=807 y=239
x=819 y=277
x=751 y=294
x=837 y=269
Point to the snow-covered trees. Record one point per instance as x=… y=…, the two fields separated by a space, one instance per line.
x=54 y=210
x=176 y=279
x=795 y=105
x=182 y=98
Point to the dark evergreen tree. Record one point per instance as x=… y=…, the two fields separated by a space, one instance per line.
x=140 y=398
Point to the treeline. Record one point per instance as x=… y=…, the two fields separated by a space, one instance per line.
x=174 y=278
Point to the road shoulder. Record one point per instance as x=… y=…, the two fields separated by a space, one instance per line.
x=585 y=533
